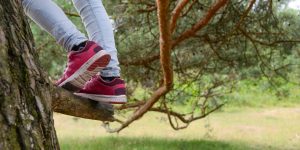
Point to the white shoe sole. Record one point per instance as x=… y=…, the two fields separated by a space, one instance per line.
x=120 y=99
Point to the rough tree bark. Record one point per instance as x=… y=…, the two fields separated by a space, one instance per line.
x=26 y=96
x=26 y=118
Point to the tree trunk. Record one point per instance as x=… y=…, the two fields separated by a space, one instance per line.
x=26 y=120
x=27 y=98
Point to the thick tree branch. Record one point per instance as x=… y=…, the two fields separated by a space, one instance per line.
x=67 y=103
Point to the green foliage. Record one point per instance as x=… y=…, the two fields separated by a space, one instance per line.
x=261 y=93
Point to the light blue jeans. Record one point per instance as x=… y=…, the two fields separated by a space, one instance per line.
x=51 y=18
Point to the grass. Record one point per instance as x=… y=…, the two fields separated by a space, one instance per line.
x=150 y=144
x=243 y=128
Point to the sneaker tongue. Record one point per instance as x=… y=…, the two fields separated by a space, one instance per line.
x=108 y=79
x=79 y=46
x=80 y=49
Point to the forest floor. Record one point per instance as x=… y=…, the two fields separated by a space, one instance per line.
x=234 y=128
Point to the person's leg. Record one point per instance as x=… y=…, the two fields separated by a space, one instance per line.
x=107 y=87
x=84 y=62
x=100 y=30
x=51 y=18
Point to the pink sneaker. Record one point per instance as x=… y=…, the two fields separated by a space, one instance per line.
x=97 y=89
x=82 y=65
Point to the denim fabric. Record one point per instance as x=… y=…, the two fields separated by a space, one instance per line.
x=52 y=19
